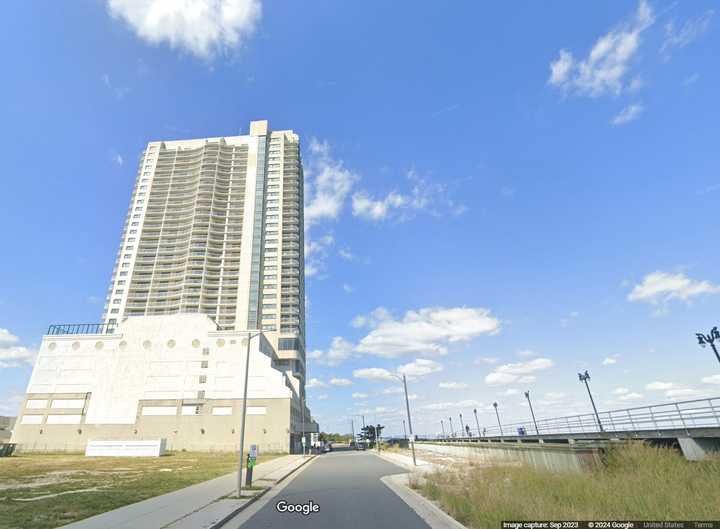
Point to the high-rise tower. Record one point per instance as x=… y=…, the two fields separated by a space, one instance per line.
x=215 y=226
x=209 y=279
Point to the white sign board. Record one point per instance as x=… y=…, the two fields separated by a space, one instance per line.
x=146 y=448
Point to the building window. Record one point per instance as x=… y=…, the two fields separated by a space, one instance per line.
x=203 y=379
x=116 y=302
x=114 y=311
x=204 y=364
x=123 y=274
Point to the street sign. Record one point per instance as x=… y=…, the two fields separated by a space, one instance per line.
x=253 y=451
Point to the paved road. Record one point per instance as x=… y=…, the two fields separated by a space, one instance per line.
x=347 y=487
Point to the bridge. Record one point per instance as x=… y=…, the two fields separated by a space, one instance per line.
x=693 y=424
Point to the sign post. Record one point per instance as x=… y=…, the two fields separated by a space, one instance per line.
x=251 y=458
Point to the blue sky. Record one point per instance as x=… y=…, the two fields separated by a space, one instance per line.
x=498 y=196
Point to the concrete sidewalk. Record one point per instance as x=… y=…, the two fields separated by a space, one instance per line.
x=196 y=506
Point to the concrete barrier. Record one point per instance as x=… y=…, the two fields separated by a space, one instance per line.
x=558 y=458
x=147 y=448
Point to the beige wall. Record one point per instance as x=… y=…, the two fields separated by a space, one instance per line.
x=202 y=432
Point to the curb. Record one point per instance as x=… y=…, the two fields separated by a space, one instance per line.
x=433 y=515
x=233 y=514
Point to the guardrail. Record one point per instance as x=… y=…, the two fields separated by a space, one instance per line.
x=684 y=415
x=82 y=328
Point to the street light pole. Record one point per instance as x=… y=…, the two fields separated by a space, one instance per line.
x=462 y=426
x=476 y=421
x=502 y=436
x=584 y=377
x=452 y=430
x=407 y=407
x=442 y=425
x=404 y=431
x=302 y=439
x=352 y=426
x=527 y=396
x=244 y=410
x=705 y=339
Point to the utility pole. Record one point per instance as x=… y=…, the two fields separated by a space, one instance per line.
x=244 y=409
x=584 y=377
x=705 y=339
x=502 y=436
x=404 y=431
x=407 y=407
x=352 y=426
x=477 y=422
x=527 y=396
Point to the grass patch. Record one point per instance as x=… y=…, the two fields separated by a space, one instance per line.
x=639 y=482
x=107 y=483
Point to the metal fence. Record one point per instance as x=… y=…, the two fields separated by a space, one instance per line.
x=82 y=328
x=684 y=415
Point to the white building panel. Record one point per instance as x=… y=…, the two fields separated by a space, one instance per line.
x=64 y=419
x=75 y=404
x=31 y=419
x=146 y=448
x=222 y=410
x=256 y=410
x=36 y=404
x=159 y=410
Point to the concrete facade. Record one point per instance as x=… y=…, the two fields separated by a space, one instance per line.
x=174 y=377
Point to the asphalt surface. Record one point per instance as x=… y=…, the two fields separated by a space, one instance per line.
x=346 y=487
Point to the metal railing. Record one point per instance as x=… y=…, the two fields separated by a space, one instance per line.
x=684 y=415
x=82 y=328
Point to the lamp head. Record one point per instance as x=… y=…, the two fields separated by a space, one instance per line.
x=527 y=394
x=495 y=404
x=701 y=339
x=714 y=333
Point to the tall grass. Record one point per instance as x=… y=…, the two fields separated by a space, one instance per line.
x=639 y=482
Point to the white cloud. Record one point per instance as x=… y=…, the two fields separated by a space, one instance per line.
x=315 y=383
x=660 y=287
x=691 y=79
x=7 y=338
x=631 y=396
x=340 y=381
x=201 y=27
x=392 y=390
x=373 y=373
x=118 y=159
x=316 y=252
x=11 y=355
x=339 y=351
x=659 y=386
x=610 y=360
x=358 y=395
x=627 y=114
x=424 y=196
x=517 y=372
x=420 y=367
x=608 y=63
x=347 y=288
x=713 y=379
x=426 y=331
x=359 y=321
x=346 y=254
x=328 y=184
x=509 y=392
x=690 y=30
x=679 y=393
x=621 y=391
x=485 y=360
x=526 y=353
x=322 y=397
x=452 y=385
x=442 y=406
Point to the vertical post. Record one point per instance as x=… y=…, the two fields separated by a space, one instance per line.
x=452 y=430
x=502 y=436
x=717 y=355
x=584 y=378
x=477 y=422
x=302 y=437
x=404 y=431
x=244 y=412
x=442 y=425
x=407 y=407
x=462 y=426
x=363 y=420
x=352 y=426
x=527 y=396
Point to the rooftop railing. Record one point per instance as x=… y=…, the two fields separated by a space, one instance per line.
x=82 y=328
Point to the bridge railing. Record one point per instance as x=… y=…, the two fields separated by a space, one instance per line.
x=683 y=415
